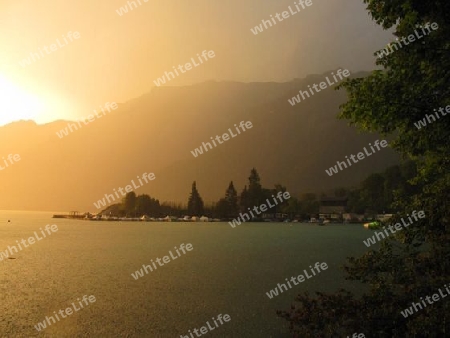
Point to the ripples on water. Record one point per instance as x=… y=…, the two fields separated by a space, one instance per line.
x=229 y=271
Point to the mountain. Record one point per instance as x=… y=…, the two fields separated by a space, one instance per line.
x=157 y=132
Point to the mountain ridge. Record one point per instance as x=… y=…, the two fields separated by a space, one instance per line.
x=157 y=131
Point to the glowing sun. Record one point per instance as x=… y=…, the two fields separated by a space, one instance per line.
x=17 y=104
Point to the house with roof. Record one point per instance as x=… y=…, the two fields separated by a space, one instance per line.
x=332 y=208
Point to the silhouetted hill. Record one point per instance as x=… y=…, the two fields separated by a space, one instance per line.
x=157 y=131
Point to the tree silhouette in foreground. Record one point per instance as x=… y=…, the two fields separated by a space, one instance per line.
x=414 y=262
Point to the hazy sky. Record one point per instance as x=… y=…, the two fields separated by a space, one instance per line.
x=117 y=57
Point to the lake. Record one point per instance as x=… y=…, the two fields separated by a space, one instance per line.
x=228 y=271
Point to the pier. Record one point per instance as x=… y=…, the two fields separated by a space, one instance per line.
x=72 y=215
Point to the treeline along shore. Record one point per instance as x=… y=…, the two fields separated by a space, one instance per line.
x=373 y=196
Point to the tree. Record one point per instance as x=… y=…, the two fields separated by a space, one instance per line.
x=414 y=262
x=129 y=203
x=231 y=199
x=372 y=192
x=392 y=181
x=143 y=204
x=292 y=208
x=255 y=191
x=355 y=202
x=281 y=206
x=244 y=202
x=195 y=202
x=309 y=204
x=146 y=205
x=222 y=208
x=341 y=192
x=227 y=207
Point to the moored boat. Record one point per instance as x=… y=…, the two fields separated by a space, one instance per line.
x=372 y=225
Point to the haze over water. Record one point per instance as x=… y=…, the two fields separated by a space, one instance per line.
x=228 y=272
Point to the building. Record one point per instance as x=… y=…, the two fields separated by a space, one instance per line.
x=351 y=217
x=332 y=207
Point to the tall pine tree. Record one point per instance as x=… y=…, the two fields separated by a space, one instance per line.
x=255 y=190
x=232 y=201
x=195 y=202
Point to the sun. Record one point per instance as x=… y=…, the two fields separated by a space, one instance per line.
x=16 y=104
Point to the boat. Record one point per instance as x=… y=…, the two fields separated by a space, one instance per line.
x=323 y=222
x=373 y=225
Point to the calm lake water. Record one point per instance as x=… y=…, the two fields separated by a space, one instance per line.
x=229 y=272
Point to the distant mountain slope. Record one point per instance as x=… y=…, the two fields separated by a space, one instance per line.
x=157 y=131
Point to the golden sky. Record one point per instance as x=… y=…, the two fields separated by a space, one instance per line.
x=117 y=58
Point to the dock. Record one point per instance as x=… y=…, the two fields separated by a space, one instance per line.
x=71 y=215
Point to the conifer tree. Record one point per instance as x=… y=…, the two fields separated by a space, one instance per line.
x=195 y=202
x=244 y=200
x=255 y=190
x=232 y=201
